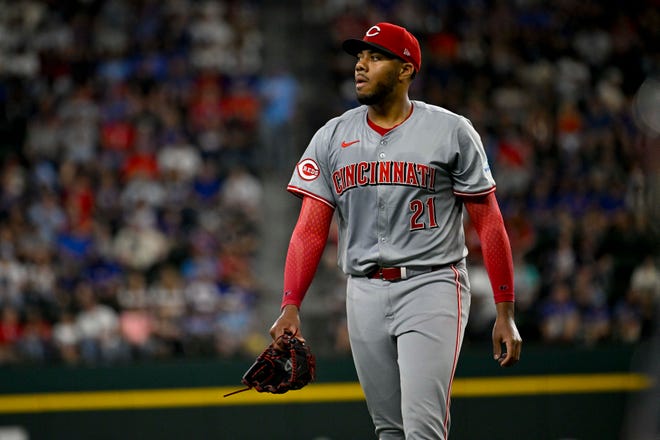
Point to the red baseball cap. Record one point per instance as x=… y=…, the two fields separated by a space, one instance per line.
x=390 y=39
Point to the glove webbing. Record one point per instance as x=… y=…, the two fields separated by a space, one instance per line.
x=293 y=365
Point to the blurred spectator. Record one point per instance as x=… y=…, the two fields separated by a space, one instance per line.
x=79 y=132
x=41 y=279
x=66 y=338
x=137 y=329
x=168 y=303
x=139 y=244
x=166 y=293
x=75 y=245
x=591 y=300
x=241 y=104
x=179 y=161
x=207 y=183
x=47 y=216
x=133 y=294
x=279 y=92
x=11 y=330
x=234 y=322
x=528 y=291
x=628 y=318
x=559 y=318
x=98 y=327
x=243 y=192
x=13 y=278
x=34 y=344
x=645 y=283
x=202 y=296
x=646 y=280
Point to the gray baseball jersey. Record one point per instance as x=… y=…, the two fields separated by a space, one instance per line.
x=396 y=195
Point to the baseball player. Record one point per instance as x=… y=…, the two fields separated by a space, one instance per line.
x=399 y=173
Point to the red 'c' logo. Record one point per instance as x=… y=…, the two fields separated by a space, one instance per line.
x=308 y=169
x=373 y=31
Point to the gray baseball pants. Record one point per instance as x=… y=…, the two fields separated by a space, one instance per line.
x=405 y=338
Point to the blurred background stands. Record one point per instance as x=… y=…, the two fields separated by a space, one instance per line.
x=145 y=148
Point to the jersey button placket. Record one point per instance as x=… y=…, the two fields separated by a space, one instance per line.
x=382 y=203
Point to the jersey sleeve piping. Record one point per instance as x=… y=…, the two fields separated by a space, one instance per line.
x=477 y=194
x=303 y=193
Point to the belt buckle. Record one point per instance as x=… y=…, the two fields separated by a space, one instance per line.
x=401 y=275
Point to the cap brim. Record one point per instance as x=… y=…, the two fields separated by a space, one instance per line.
x=355 y=46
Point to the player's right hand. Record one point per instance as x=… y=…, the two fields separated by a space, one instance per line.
x=287 y=323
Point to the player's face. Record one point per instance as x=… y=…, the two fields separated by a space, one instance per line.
x=376 y=77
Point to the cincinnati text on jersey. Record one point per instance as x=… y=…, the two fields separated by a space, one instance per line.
x=357 y=174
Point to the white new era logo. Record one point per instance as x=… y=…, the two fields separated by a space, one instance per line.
x=406 y=52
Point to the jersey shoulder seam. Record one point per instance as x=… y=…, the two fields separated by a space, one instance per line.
x=436 y=109
x=300 y=192
x=475 y=194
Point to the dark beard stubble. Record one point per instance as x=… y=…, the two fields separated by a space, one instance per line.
x=382 y=90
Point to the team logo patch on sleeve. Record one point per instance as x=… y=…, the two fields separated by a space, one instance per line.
x=308 y=169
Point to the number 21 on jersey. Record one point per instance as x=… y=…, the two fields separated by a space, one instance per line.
x=423 y=214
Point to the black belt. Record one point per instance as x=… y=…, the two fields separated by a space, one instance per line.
x=401 y=273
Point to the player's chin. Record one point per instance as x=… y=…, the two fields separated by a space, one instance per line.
x=366 y=99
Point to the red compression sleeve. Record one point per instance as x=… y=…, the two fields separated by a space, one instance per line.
x=305 y=249
x=487 y=219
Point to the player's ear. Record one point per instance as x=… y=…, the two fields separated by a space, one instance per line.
x=407 y=71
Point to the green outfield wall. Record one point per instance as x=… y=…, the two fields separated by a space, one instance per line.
x=553 y=393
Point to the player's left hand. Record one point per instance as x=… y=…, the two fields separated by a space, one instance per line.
x=506 y=333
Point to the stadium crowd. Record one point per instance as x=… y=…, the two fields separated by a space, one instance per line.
x=130 y=134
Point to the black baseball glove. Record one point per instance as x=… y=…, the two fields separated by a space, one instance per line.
x=280 y=370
